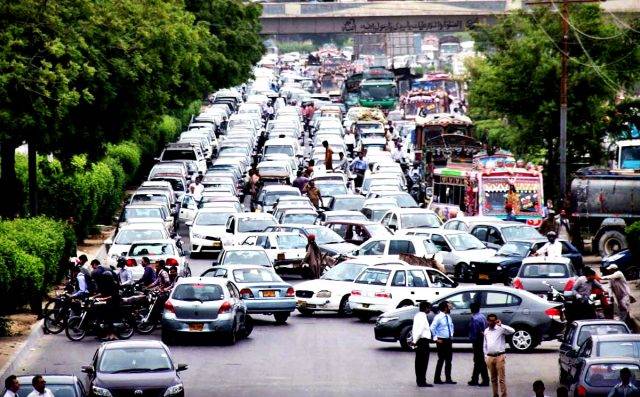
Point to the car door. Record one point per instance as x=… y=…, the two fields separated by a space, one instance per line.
x=480 y=232
x=574 y=361
x=440 y=283
x=398 y=287
x=188 y=208
x=419 y=288
x=494 y=236
x=461 y=312
x=238 y=304
x=504 y=304
x=567 y=345
x=448 y=259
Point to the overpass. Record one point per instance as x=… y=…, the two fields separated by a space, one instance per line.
x=361 y=17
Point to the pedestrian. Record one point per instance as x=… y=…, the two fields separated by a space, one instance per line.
x=300 y=182
x=562 y=226
x=39 y=388
x=343 y=166
x=620 y=288
x=254 y=186
x=309 y=171
x=508 y=209
x=477 y=325
x=359 y=167
x=313 y=193
x=11 y=386
x=125 y=275
x=328 y=156
x=562 y=392
x=538 y=389
x=552 y=248
x=442 y=331
x=198 y=188
x=223 y=126
x=494 y=350
x=350 y=141
x=313 y=257
x=625 y=388
x=420 y=337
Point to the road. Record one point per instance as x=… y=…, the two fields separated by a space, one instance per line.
x=324 y=355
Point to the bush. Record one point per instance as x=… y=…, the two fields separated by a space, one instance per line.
x=128 y=155
x=633 y=238
x=193 y=109
x=168 y=128
x=22 y=275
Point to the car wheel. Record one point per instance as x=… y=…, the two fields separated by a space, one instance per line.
x=248 y=326
x=344 y=309
x=305 y=312
x=405 y=337
x=523 y=340
x=461 y=272
x=405 y=304
x=167 y=338
x=74 y=331
x=232 y=337
x=281 y=318
x=610 y=242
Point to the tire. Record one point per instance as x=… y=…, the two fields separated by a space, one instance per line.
x=54 y=318
x=232 y=337
x=344 y=309
x=126 y=329
x=523 y=340
x=405 y=336
x=247 y=327
x=142 y=327
x=611 y=242
x=281 y=318
x=73 y=332
x=305 y=312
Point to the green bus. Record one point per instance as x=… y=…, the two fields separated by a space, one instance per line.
x=378 y=89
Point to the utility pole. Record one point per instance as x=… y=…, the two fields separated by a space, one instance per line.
x=564 y=87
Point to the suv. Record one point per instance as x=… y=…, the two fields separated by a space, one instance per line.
x=184 y=151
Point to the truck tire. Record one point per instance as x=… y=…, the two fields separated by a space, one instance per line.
x=611 y=242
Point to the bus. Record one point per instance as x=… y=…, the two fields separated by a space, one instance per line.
x=378 y=89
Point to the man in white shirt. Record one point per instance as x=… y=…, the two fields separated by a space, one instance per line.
x=420 y=337
x=552 y=248
x=39 y=389
x=11 y=386
x=198 y=188
x=494 y=347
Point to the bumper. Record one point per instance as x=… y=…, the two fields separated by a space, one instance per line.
x=372 y=308
x=325 y=304
x=203 y=246
x=223 y=324
x=385 y=333
x=288 y=263
x=483 y=275
x=266 y=306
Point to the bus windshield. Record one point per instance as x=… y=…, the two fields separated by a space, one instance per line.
x=381 y=91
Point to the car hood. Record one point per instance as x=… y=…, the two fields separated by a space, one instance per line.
x=216 y=231
x=500 y=260
x=470 y=255
x=402 y=313
x=320 y=284
x=136 y=380
x=338 y=248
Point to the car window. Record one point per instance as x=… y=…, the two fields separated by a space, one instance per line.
x=493 y=236
x=453 y=225
x=568 y=336
x=480 y=232
x=198 y=292
x=255 y=275
x=397 y=247
x=462 y=226
x=233 y=291
x=600 y=329
x=373 y=248
x=417 y=279
x=618 y=349
x=399 y=279
x=545 y=270
x=440 y=242
x=123 y=359
x=500 y=299
x=607 y=375
x=56 y=390
x=385 y=219
x=339 y=228
x=373 y=277
x=438 y=279
x=463 y=300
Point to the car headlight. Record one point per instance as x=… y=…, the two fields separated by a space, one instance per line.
x=498 y=267
x=323 y=294
x=384 y=320
x=196 y=235
x=99 y=391
x=173 y=390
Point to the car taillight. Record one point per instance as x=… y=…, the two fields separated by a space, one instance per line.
x=581 y=391
x=225 y=307
x=131 y=262
x=355 y=292
x=383 y=294
x=168 y=306
x=554 y=313
x=290 y=292
x=172 y=262
x=517 y=284
x=246 y=293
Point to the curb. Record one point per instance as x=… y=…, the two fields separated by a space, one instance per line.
x=35 y=334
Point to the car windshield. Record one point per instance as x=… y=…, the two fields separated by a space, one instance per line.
x=405 y=200
x=145 y=198
x=325 y=235
x=259 y=258
x=65 y=390
x=130 y=213
x=544 y=270
x=212 y=218
x=600 y=329
x=514 y=249
x=198 y=292
x=151 y=249
x=344 y=271
x=331 y=189
x=305 y=219
x=232 y=149
x=179 y=155
x=134 y=360
x=373 y=277
x=176 y=184
x=520 y=233
x=619 y=349
x=607 y=375
x=346 y=217
x=255 y=276
x=291 y=241
x=377 y=230
x=271 y=198
x=465 y=242
x=377 y=214
x=126 y=237
x=254 y=225
x=348 y=204
x=279 y=149
x=419 y=219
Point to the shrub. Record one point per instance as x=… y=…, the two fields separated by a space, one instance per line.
x=23 y=275
x=168 y=128
x=128 y=155
x=193 y=109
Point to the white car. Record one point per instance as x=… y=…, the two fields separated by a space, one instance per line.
x=306 y=216
x=240 y=226
x=207 y=232
x=382 y=288
x=129 y=234
x=419 y=246
x=285 y=249
x=155 y=250
x=458 y=249
x=404 y=218
x=331 y=291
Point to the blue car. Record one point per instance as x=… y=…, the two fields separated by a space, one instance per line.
x=261 y=289
x=624 y=261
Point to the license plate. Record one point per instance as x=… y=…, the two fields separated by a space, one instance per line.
x=483 y=276
x=196 y=327
x=269 y=294
x=365 y=305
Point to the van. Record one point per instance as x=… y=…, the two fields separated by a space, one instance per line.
x=184 y=151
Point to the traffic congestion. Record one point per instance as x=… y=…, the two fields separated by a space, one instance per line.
x=306 y=199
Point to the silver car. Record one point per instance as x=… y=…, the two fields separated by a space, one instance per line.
x=538 y=274
x=204 y=305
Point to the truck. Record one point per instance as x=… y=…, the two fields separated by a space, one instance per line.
x=606 y=200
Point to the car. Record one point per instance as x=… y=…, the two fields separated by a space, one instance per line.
x=60 y=385
x=285 y=249
x=329 y=241
x=155 y=250
x=597 y=376
x=579 y=331
x=140 y=367
x=298 y=215
x=330 y=187
x=276 y=170
x=374 y=209
x=269 y=195
x=240 y=226
x=184 y=151
x=207 y=233
x=404 y=218
x=261 y=289
x=539 y=273
x=346 y=202
x=358 y=232
x=417 y=246
x=331 y=216
x=504 y=266
x=144 y=213
x=380 y=289
x=499 y=233
x=284 y=206
x=403 y=199
x=156 y=197
x=534 y=319
x=465 y=223
x=129 y=234
x=244 y=255
x=205 y=305
x=625 y=262
x=458 y=249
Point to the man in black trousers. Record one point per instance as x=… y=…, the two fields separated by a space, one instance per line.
x=421 y=335
x=477 y=325
x=442 y=331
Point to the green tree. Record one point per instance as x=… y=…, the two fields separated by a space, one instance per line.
x=514 y=91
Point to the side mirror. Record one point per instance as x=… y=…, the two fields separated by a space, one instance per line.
x=393 y=228
x=182 y=367
x=87 y=369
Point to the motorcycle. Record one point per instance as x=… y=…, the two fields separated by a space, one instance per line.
x=150 y=317
x=91 y=320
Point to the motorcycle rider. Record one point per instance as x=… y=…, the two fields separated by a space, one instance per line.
x=149 y=276
x=109 y=294
x=81 y=288
x=125 y=276
x=582 y=290
x=552 y=248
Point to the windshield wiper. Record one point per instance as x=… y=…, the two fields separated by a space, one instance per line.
x=121 y=371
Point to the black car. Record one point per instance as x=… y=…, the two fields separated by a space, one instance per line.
x=134 y=368
x=504 y=266
x=534 y=319
x=60 y=386
x=625 y=262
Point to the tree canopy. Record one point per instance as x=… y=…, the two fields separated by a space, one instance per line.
x=514 y=89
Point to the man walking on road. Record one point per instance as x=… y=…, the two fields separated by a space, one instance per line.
x=328 y=156
x=620 y=288
x=420 y=336
x=11 y=386
x=477 y=325
x=494 y=347
x=442 y=331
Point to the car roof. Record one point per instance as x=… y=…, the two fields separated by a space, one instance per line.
x=280 y=188
x=243 y=248
x=138 y=343
x=154 y=241
x=200 y=280
x=610 y=360
x=376 y=260
x=343 y=212
x=397 y=265
x=597 y=321
x=253 y=215
x=300 y=211
x=438 y=230
x=143 y=226
x=351 y=222
x=410 y=210
x=616 y=338
x=224 y=209
x=545 y=259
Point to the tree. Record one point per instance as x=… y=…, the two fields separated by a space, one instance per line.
x=514 y=91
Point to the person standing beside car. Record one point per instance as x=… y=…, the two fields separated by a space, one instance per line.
x=625 y=388
x=620 y=289
x=442 y=331
x=494 y=350
x=477 y=325
x=11 y=386
x=420 y=337
x=39 y=388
